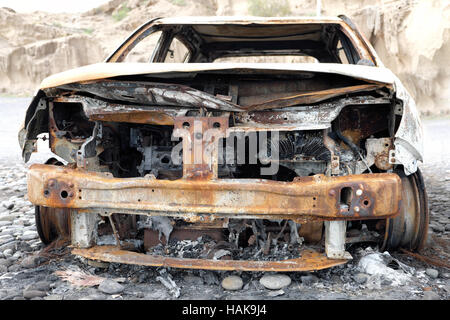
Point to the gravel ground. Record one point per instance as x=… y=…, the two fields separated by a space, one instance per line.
x=29 y=272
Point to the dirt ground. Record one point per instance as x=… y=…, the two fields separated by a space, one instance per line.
x=27 y=270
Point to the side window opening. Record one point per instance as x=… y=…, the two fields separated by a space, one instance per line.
x=341 y=53
x=345 y=50
x=177 y=52
x=144 y=49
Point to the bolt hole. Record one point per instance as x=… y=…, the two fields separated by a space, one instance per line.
x=216 y=125
x=346 y=196
x=366 y=202
x=165 y=159
x=186 y=125
x=64 y=194
x=314 y=198
x=139 y=200
x=46 y=192
x=153 y=190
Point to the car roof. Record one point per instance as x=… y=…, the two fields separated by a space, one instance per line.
x=246 y=20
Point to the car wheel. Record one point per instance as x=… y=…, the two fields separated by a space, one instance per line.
x=409 y=229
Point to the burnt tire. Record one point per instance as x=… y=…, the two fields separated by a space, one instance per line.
x=409 y=229
x=52 y=223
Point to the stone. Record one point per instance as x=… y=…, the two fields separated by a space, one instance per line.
x=433 y=273
x=232 y=283
x=29 y=294
x=8 y=204
x=8 y=253
x=5 y=262
x=275 y=293
x=361 y=278
x=430 y=295
x=437 y=227
x=309 y=279
x=29 y=262
x=109 y=286
x=275 y=281
x=447 y=227
x=3 y=269
x=41 y=286
x=95 y=296
x=6 y=239
x=29 y=235
x=14 y=268
x=7 y=245
x=8 y=217
x=53 y=297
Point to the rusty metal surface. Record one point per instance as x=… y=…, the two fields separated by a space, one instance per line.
x=314 y=197
x=201 y=137
x=311 y=97
x=309 y=260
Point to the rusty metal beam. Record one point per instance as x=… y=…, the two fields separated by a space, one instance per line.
x=374 y=196
x=309 y=260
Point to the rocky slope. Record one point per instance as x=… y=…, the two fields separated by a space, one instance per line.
x=411 y=37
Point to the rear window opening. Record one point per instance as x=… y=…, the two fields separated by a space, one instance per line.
x=267 y=59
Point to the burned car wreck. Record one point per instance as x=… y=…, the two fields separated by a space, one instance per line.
x=213 y=154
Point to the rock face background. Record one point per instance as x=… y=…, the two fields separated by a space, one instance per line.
x=410 y=36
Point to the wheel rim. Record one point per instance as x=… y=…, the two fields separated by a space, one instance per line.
x=409 y=228
x=52 y=223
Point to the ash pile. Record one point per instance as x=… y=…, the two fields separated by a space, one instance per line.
x=227 y=239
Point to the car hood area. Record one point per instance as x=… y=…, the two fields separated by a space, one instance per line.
x=110 y=70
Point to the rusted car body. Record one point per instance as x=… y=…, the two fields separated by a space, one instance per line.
x=204 y=164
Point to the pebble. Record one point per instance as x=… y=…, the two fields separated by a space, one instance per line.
x=53 y=297
x=275 y=281
x=275 y=293
x=95 y=296
x=109 y=286
x=40 y=285
x=29 y=262
x=361 y=278
x=430 y=295
x=232 y=283
x=5 y=262
x=8 y=204
x=438 y=227
x=8 y=253
x=14 y=268
x=29 y=294
x=433 y=273
x=447 y=227
x=29 y=235
x=3 y=269
x=309 y=279
x=7 y=218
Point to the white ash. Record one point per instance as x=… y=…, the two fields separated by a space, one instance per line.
x=161 y=224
